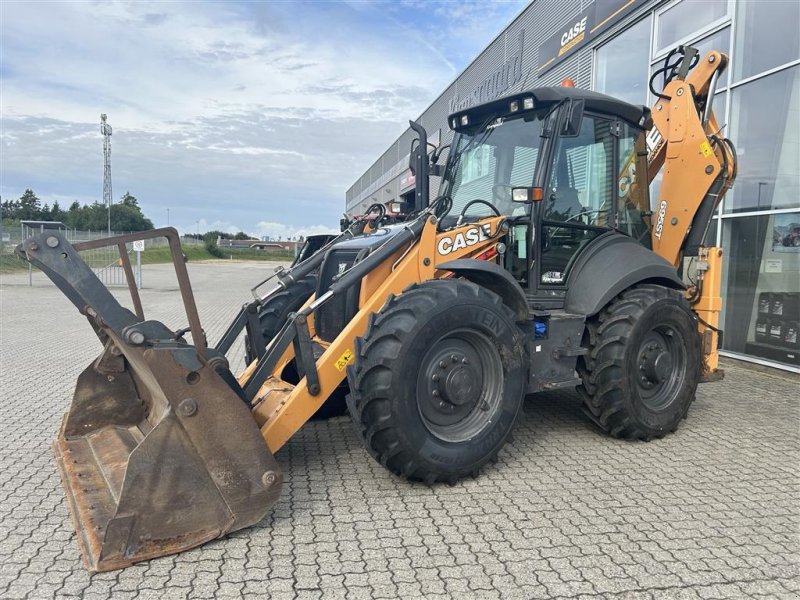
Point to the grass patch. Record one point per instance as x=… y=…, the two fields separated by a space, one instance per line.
x=195 y=253
x=153 y=256
x=9 y=263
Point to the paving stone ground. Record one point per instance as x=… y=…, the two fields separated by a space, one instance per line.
x=712 y=511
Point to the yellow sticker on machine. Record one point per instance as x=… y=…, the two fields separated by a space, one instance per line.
x=344 y=360
x=705 y=148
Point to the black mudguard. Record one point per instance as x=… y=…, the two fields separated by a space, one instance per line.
x=610 y=264
x=491 y=277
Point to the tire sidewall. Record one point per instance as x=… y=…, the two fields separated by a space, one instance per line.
x=490 y=320
x=270 y=319
x=665 y=311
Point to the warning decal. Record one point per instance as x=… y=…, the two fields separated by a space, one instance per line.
x=344 y=360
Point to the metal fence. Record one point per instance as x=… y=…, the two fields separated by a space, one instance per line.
x=15 y=235
x=105 y=262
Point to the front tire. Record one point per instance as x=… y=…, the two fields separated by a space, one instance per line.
x=644 y=363
x=438 y=381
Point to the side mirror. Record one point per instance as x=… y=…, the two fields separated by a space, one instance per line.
x=572 y=122
x=527 y=195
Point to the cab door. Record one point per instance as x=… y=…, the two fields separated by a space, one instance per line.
x=579 y=200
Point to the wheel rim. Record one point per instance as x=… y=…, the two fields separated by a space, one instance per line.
x=460 y=385
x=661 y=367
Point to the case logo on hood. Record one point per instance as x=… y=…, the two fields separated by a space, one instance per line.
x=464 y=239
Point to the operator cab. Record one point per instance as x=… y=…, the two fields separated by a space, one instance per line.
x=565 y=165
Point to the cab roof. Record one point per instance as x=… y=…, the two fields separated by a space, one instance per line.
x=545 y=98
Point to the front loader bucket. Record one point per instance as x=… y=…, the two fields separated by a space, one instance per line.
x=158 y=452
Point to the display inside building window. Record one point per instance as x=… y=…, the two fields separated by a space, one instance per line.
x=477 y=164
x=762 y=307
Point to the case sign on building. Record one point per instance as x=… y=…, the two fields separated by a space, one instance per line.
x=591 y=22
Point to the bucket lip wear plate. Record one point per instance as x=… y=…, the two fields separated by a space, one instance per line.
x=85 y=502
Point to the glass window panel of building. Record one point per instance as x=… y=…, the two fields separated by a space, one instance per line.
x=765 y=116
x=761 y=312
x=686 y=18
x=621 y=64
x=766 y=37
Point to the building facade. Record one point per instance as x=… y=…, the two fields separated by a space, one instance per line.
x=612 y=46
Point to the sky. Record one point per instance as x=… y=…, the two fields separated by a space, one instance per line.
x=253 y=116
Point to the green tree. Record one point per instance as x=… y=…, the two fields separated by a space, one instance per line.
x=126 y=217
x=29 y=206
x=130 y=200
x=56 y=213
x=241 y=236
x=211 y=236
x=10 y=209
x=74 y=216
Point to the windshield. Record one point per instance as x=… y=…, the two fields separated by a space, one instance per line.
x=489 y=162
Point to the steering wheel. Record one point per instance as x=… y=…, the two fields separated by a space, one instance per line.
x=491 y=206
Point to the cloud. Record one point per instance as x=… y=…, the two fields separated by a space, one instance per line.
x=279 y=230
x=241 y=113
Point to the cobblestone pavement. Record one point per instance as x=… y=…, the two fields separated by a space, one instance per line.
x=712 y=511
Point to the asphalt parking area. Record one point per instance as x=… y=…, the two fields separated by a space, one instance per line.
x=712 y=511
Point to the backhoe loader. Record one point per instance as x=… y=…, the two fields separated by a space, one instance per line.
x=540 y=265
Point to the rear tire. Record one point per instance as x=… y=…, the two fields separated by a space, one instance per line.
x=275 y=311
x=272 y=316
x=644 y=363
x=438 y=381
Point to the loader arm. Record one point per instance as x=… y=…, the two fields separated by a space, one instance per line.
x=698 y=165
x=281 y=408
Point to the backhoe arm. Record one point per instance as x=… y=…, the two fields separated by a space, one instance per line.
x=698 y=166
x=698 y=163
